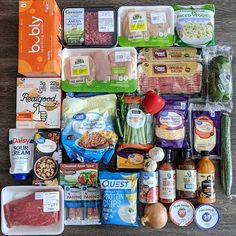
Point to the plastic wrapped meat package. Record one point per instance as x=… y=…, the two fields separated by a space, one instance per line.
x=89 y=27
x=32 y=210
x=99 y=70
x=143 y=26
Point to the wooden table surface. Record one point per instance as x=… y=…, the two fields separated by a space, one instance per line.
x=225 y=32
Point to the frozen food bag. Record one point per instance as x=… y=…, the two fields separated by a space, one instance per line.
x=88 y=133
x=194 y=25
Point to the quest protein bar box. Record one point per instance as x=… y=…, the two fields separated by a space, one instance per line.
x=39 y=33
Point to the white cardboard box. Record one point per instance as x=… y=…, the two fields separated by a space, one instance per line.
x=38 y=103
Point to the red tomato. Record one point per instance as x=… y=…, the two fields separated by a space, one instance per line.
x=152 y=102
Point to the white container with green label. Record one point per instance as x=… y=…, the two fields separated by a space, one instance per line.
x=194 y=25
x=99 y=70
x=146 y=26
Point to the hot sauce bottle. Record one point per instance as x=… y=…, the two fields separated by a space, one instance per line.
x=205 y=179
x=186 y=177
x=167 y=180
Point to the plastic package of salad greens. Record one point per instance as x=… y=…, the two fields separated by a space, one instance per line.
x=218 y=60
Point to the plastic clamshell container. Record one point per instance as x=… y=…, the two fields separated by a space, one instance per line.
x=140 y=33
x=78 y=17
x=120 y=77
x=7 y=195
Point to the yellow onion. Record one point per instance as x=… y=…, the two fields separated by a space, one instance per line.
x=155 y=216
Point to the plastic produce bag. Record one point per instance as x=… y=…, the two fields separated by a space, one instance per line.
x=218 y=60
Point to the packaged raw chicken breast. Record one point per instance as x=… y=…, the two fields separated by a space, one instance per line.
x=146 y=26
x=99 y=70
x=89 y=27
x=39 y=52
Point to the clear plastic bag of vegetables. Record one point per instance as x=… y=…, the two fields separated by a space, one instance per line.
x=218 y=61
x=134 y=125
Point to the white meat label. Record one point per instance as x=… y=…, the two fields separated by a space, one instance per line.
x=158 y=18
x=106 y=21
x=51 y=202
x=122 y=56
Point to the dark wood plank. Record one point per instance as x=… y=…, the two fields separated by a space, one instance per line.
x=225 y=33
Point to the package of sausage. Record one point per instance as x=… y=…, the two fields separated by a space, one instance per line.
x=89 y=27
x=99 y=70
x=146 y=26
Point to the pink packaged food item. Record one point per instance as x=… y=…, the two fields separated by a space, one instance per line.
x=89 y=27
x=32 y=210
x=170 y=77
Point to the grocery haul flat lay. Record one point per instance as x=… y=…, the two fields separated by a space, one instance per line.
x=145 y=86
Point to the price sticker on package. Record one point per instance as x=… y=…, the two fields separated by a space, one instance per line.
x=51 y=202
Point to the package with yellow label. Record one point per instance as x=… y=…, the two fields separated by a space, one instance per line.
x=38 y=103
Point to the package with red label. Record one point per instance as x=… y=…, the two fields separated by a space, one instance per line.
x=82 y=195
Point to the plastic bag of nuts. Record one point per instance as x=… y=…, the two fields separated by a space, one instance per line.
x=47 y=157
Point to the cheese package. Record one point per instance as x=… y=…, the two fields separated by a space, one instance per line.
x=38 y=103
x=39 y=32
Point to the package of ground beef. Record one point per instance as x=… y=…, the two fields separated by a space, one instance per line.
x=89 y=27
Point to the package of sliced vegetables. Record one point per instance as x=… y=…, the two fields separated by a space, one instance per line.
x=134 y=125
x=218 y=61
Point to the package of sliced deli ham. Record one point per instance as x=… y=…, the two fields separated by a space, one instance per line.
x=99 y=70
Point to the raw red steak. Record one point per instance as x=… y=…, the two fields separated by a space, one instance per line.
x=28 y=211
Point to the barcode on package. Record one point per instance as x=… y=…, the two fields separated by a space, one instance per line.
x=51 y=202
x=106 y=21
x=122 y=56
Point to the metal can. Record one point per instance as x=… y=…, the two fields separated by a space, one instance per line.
x=148 y=187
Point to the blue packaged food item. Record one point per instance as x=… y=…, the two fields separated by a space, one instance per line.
x=171 y=123
x=119 y=198
x=88 y=130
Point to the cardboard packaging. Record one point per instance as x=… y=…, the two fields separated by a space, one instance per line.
x=39 y=38
x=38 y=103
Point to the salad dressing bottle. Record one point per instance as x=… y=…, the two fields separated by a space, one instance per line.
x=206 y=179
x=167 y=180
x=186 y=177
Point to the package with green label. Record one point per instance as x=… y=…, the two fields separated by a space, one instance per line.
x=146 y=26
x=194 y=25
x=99 y=70
x=89 y=27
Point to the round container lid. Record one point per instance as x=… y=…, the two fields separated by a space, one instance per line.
x=182 y=212
x=206 y=217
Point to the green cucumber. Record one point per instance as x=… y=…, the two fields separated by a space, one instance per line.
x=226 y=156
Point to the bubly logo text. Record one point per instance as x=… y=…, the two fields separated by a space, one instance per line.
x=35 y=31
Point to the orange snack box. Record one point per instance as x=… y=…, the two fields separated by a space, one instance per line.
x=39 y=34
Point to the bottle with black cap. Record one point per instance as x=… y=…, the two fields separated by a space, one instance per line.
x=167 y=181
x=186 y=176
x=205 y=179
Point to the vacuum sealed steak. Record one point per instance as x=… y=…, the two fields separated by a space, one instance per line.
x=35 y=209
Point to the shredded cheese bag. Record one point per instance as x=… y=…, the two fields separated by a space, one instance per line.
x=170 y=123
